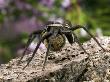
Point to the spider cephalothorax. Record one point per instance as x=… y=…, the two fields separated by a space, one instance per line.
x=57 y=39
x=54 y=35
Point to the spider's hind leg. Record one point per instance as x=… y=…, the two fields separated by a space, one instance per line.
x=94 y=38
x=79 y=26
x=33 y=53
x=47 y=53
x=41 y=40
x=67 y=32
x=77 y=40
x=69 y=38
x=31 y=38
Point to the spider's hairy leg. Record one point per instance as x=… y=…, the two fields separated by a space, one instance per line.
x=77 y=40
x=47 y=53
x=31 y=38
x=79 y=26
x=33 y=53
x=67 y=33
x=41 y=40
x=68 y=36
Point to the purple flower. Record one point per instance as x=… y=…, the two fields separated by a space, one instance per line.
x=28 y=25
x=33 y=46
x=48 y=3
x=3 y=3
x=66 y=3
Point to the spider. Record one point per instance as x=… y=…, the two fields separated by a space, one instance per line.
x=53 y=36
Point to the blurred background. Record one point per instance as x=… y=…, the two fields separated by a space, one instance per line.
x=19 y=18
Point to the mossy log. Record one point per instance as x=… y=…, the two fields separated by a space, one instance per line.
x=70 y=64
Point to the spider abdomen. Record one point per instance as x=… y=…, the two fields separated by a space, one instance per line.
x=56 y=42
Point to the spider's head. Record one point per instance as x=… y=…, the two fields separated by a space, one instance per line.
x=56 y=25
x=53 y=27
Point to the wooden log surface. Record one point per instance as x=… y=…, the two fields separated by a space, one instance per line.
x=70 y=64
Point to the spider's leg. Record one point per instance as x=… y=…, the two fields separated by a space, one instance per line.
x=47 y=53
x=69 y=38
x=94 y=38
x=77 y=40
x=68 y=35
x=33 y=53
x=31 y=38
x=79 y=26
x=41 y=40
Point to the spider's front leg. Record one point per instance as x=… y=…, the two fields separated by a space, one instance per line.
x=31 y=38
x=41 y=40
x=47 y=53
x=69 y=37
x=79 y=26
x=75 y=39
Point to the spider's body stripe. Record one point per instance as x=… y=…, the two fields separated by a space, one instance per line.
x=55 y=25
x=67 y=26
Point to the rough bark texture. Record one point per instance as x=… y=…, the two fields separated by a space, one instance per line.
x=70 y=64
